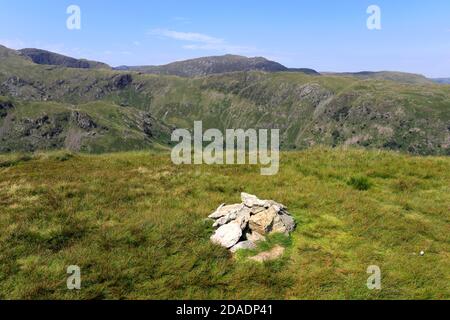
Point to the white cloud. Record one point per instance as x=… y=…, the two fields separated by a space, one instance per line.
x=220 y=47
x=186 y=36
x=200 y=41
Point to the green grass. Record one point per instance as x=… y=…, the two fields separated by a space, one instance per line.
x=359 y=183
x=135 y=224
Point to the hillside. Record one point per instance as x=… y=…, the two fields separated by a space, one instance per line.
x=134 y=223
x=308 y=109
x=90 y=127
x=210 y=65
x=216 y=65
x=401 y=77
x=50 y=58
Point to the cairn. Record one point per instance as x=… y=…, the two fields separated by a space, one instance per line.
x=241 y=226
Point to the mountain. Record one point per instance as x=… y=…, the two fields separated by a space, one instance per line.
x=442 y=80
x=400 y=77
x=50 y=58
x=213 y=65
x=305 y=71
x=33 y=117
x=110 y=110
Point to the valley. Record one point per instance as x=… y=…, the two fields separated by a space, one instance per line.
x=309 y=110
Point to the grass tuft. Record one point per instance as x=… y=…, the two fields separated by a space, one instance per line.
x=359 y=183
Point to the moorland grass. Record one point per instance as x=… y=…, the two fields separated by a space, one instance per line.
x=135 y=224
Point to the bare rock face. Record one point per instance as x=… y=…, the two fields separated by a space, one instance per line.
x=241 y=226
x=5 y=107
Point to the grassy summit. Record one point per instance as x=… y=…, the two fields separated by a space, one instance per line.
x=135 y=225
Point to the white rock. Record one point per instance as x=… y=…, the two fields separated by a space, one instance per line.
x=243 y=245
x=278 y=206
x=263 y=222
x=288 y=222
x=227 y=235
x=243 y=217
x=224 y=210
x=254 y=216
x=255 y=237
x=251 y=200
x=224 y=220
x=256 y=210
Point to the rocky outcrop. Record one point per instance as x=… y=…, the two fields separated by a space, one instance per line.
x=241 y=226
x=121 y=81
x=5 y=106
x=83 y=121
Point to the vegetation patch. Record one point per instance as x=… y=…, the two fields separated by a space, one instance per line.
x=111 y=215
x=360 y=183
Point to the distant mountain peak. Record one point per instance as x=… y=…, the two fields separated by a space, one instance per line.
x=215 y=65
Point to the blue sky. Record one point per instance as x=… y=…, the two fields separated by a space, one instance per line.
x=327 y=35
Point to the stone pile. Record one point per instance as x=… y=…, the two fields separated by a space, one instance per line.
x=241 y=226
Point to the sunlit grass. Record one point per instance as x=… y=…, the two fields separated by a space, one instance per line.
x=135 y=224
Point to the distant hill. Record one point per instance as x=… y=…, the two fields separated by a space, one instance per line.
x=401 y=77
x=442 y=80
x=305 y=71
x=6 y=52
x=48 y=107
x=215 y=65
x=50 y=58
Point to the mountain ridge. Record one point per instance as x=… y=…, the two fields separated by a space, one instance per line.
x=215 y=65
x=442 y=80
x=208 y=65
x=402 y=77
x=103 y=110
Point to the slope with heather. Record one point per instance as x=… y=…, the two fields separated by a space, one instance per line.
x=308 y=109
